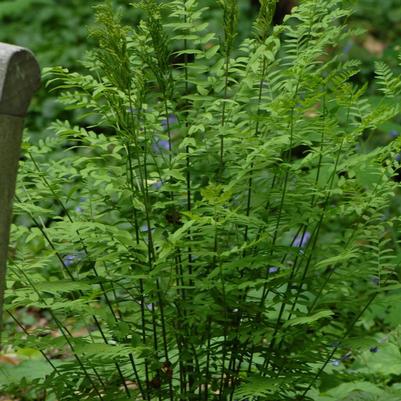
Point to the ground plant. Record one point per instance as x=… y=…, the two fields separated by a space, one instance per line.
x=217 y=230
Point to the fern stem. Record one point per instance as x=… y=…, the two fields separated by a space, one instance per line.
x=208 y=351
x=92 y=264
x=335 y=348
x=142 y=300
x=283 y=195
x=48 y=360
x=65 y=267
x=189 y=368
x=294 y=267
x=151 y=259
x=223 y=117
x=63 y=331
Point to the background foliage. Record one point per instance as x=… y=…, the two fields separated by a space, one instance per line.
x=71 y=188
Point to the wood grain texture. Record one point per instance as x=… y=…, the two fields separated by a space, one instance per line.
x=19 y=79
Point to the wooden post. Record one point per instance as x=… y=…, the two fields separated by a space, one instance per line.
x=19 y=79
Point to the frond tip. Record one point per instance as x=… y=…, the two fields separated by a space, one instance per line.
x=262 y=24
x=388 y=83
x=230 y=21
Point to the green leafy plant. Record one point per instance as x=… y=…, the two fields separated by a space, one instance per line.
x=217 y=233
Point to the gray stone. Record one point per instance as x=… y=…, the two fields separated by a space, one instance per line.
x=19 y=79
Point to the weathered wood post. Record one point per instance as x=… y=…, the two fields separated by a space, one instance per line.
x=19 y=79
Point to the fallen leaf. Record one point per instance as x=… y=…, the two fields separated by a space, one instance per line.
x=10 y=359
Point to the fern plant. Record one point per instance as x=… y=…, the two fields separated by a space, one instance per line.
x=213 y=230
